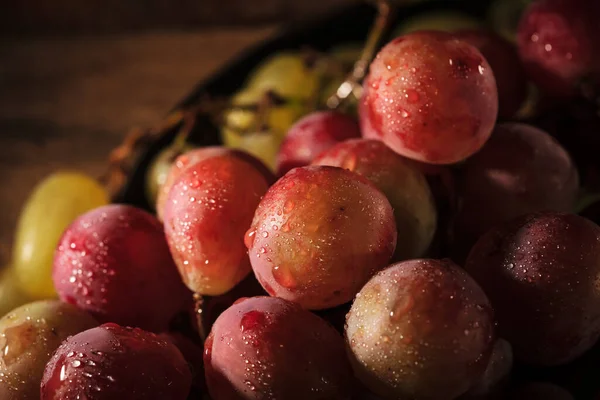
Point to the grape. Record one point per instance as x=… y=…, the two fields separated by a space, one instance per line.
x=312 y=135
x=28 y=337
x=288 y=74
x=11 y=295
x=446 y=21
x=540 y=272
x=420 y=329
x=158 y=171
x=430 y=97
x=505 y=62
x=541 y=391
x=404 y=186
x=242 y=129
x=209 y=209
x=271 y=348
x=53 y=205
x=115 y=263
x=513 y=175
x=190 y=158
x=557 y=43
x=319 y=234
x=113 y=362
x=496 y=374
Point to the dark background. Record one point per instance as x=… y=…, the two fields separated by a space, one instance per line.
x=76 y=75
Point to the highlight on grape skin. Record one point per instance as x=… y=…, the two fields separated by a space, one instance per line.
x=113 y=362
x=312 y=135
x=319 y=234
x=520 y=170
x=405 y=187
x=114 y=262
x=430 y=97
x=28 y=336
x=420 y=329
x=540 y=272
x=271 y=348
x=209 y=209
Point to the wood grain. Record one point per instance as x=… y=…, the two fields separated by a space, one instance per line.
x=65 y=103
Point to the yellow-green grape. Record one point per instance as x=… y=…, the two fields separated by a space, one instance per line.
x=287 y=74
x=262 y=145
x=159 y=169
x=11 y=295
x=505 y=15
x=28 y=337
x=447 y=21
x=347 y=54
x=52 y=206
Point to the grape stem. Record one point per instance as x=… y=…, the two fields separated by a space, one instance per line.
x=352 y=84
x=198 y=310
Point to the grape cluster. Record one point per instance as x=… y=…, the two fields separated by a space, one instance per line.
x=422 y=235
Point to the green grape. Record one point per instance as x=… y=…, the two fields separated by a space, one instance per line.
x=52 y=206
x=11 y=296
x=287 y=74
x=159 y=169
x=262 y=145
x=347 y=54
x=28 y=337
x=505 y=15
x=447 y=21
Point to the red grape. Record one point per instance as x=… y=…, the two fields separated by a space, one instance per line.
x=420 y=329
x=114 y=262
x=514 y=174
x=312 y=135
x=541 y=274
x=403 y=184
x=209 y=209
x=557 y=42
x=506 y=64
x=319 y=234
x=430 y=97
x=190 y=158
x=111 y=362
x=271 y=348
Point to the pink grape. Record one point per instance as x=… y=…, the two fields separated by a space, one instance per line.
x=209 y=209
x=270 y=348
x=430 y=97
x=112 y=362
x=114 y=262
x=312 y=135
x=319 y=234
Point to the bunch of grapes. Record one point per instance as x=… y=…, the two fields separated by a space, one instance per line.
x=410 y=235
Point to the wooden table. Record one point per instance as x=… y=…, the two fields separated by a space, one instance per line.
x=66 y=102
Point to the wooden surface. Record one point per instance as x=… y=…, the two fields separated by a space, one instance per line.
x=35 y=16
x=65 y=103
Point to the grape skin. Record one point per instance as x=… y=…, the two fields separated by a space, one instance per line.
x=420 y=329
x=430 y=97
x=319 y=234
x=270 y=348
